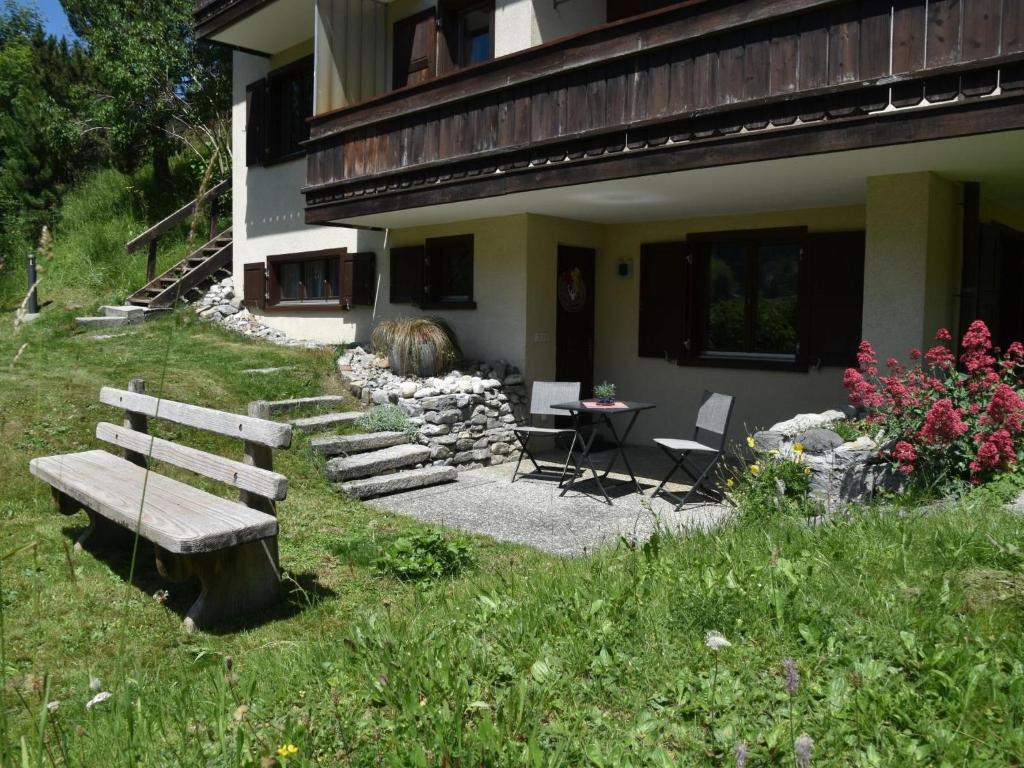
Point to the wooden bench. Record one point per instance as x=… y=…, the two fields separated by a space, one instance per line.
x=230 y=546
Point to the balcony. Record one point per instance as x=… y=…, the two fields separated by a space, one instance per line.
x=696 y=85
x=259 y=26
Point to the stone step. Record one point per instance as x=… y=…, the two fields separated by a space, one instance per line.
x=376 y=462
x=325 y=421
x=100 y=322
x=132 y=313
x=339 y=445
x=397 y=482
x=286 y=406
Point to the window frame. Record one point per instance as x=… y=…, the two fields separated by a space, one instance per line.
x=301 y=68
x=422 y=258
x=461 y=57
x=274 y=301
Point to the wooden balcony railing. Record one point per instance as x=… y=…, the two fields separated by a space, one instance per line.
x=702 y=83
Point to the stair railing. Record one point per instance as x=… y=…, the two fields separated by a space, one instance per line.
x=152 y=235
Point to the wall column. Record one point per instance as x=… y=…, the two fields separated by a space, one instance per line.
x=912 y=261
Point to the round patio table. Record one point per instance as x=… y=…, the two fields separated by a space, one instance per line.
x=602 y=414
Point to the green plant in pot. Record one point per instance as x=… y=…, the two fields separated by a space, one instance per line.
x=604 y=393
x=418 y=346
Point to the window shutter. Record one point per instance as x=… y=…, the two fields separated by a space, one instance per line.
x=415 y=49
x=254 y=285
x=663 y=307
x=834 y=296
x=407 y=274
x=347 y=278
x=364 y=278
x=256 y=139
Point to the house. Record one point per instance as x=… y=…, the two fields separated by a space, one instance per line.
x=670 y=196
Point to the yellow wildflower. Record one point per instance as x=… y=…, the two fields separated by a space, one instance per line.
x=729 y=483
x=807 y=470
x=286 y=749
x=755 y=469
x=750 y=441
x=798 y=447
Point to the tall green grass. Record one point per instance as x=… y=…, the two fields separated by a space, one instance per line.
x=89 y=265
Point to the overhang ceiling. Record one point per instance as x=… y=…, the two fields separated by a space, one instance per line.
x=816 y=181
x=275 y=27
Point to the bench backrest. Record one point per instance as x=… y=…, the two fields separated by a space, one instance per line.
x=260 y=486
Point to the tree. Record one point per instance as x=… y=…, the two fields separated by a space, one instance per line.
x=158 y=87
x=41 y=148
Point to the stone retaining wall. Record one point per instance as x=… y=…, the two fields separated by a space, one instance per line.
x=466 y=418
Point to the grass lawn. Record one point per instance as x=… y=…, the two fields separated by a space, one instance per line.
x=904 y=626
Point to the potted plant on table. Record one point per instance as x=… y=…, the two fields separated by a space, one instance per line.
x=604 y=393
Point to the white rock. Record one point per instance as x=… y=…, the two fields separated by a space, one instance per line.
x=804 y=421
x=408 y=388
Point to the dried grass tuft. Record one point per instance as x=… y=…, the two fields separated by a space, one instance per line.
x=403 y=340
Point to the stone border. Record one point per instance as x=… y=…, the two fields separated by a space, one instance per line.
x=466 y=419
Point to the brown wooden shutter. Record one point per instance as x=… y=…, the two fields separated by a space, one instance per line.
x=254 y=285
x=406 y=276
x=347 y=279
x=415 y=49
x=664 y=287
x=832 y=283
x=364 y=278
x=256 y=134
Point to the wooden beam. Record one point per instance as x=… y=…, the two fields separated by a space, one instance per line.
x=259 y=431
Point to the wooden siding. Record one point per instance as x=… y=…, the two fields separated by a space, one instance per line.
x=695 y=72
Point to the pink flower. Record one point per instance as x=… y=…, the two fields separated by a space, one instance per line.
x=915 y=354
x=976 y=343
x=1006 y=409
x=943 y=334
x=904 y=452
x=866 y=358
x=862 y=392
x=943 y=423
x=939 y=356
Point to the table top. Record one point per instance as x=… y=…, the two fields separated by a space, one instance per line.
x=620 y=406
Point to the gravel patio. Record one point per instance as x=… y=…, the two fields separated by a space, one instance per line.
x=533 y=511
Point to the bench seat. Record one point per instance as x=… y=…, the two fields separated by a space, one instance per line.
x=176 y=516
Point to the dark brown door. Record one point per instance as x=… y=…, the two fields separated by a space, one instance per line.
x=574 y=330
x=415 y=49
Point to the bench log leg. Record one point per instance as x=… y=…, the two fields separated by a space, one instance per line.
x=235 y=582
x=101 y=533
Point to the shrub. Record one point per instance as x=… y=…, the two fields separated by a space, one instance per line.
x=385 y=418
x=775 y=483
x=404 y=341
x=425 y=556
x=945 y=425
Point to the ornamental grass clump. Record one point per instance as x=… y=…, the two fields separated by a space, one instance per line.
x=419 y=346
x=946 y=425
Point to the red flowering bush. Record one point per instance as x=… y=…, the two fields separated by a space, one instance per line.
x=946 y=424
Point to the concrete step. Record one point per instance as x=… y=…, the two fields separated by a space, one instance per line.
x=376 y=462
x=340 y=445
x=326 y=421
x=132 y=313
x=323 y=401
x=100 y=322
x=397 y=482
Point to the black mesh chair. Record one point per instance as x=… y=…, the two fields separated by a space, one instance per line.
x=543 y=396
x=712 y=428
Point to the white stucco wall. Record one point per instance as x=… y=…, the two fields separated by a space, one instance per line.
x=269 y=218
x=912 y=261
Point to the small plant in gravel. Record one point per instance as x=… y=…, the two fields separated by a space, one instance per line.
x=948 y=424
x=773 y=484
x=385 y=418
x=425 y=556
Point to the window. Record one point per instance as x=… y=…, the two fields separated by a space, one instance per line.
x=276 y=112
x=321 y=279
x=780 y=299
x=476 y=35
x=435 y=275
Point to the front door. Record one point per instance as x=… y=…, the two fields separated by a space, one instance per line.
x=574 y=329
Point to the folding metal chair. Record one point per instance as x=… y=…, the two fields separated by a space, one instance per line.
x=713 y=426
x=543 y=396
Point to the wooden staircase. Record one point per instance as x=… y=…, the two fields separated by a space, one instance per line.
x=189 y=273
x=205 y=263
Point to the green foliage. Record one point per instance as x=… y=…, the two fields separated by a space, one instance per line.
x=604 y=391
x=851 y=429
x=426 y=556
x=385 y=418
x=774 y=485
x=158 y=89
